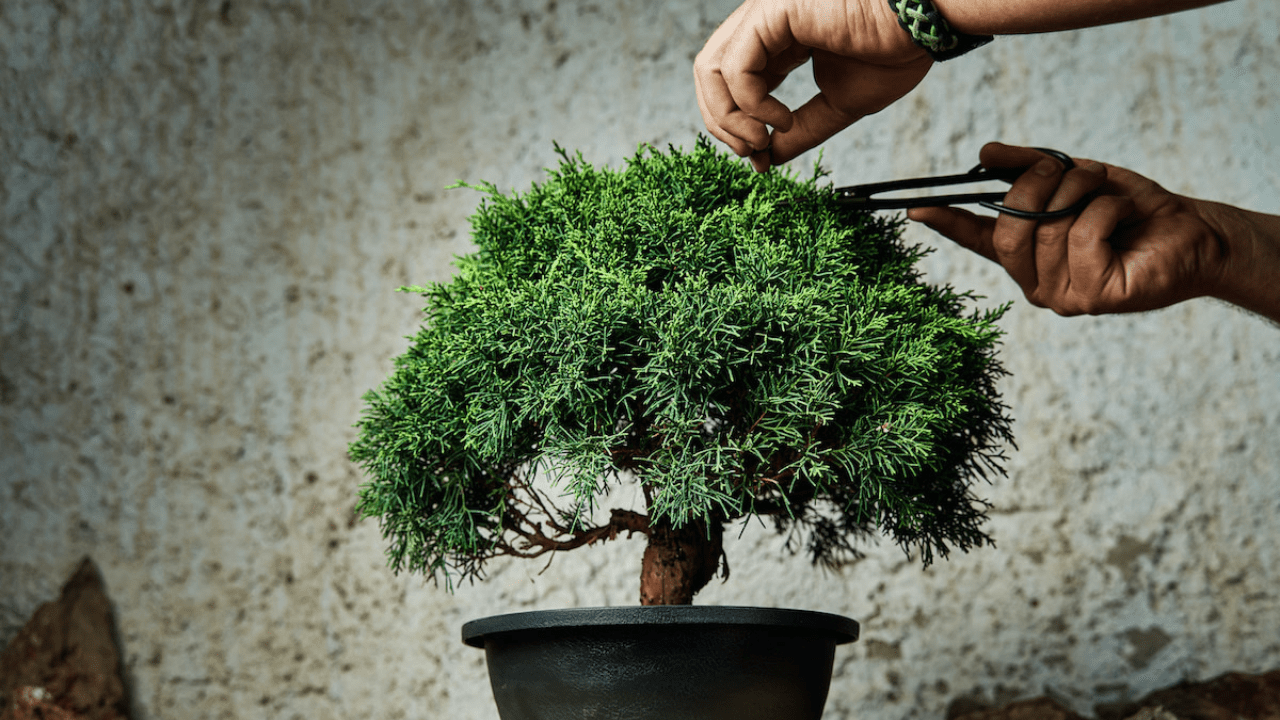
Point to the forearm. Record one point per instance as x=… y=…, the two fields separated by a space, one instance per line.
x=1250 y=276
x=1008 y=17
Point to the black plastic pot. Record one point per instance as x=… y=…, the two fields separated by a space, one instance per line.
x=661 y=663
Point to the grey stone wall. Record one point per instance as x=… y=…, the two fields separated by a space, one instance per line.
x=205 y=208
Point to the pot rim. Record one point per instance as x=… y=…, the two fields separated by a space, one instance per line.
x=844 y=629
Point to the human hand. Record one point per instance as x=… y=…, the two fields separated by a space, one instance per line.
x=1135 y=246
x=862 y=62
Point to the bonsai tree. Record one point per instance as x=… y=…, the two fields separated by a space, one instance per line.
x=739 y=344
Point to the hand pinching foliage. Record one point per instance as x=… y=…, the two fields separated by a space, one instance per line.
x=738 y=343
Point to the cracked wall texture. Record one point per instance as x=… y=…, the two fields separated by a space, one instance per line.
x=206 y=207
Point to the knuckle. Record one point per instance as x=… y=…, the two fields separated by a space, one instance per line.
x=1034 y=298
x=1063 y=304
x=1048 y=167
x=1022 y=198
x=739 y=148
x=1006 y=244
x=749 y=102
x=1080 y=233
x=1048 y=234
x=1075 y=303
x=1083 y=178
x=1092 y=306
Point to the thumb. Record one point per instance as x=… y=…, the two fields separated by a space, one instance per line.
x=812 y=124
x=966 y=229
x=849 y=89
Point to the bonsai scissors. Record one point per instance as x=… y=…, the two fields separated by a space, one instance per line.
x=861 y=195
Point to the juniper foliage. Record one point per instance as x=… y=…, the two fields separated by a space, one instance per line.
x=739 y=343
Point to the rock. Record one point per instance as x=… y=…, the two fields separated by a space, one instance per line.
x=1154 y=713
x=64 y=664
x=1233 y=696
x=35 y=703
x=1041 y=708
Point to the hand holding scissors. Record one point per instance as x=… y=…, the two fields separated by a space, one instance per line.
x=1128 y=244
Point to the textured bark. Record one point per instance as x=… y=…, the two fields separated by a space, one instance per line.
x=680 y=562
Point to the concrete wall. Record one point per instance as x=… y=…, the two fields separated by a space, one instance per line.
x=205 y=208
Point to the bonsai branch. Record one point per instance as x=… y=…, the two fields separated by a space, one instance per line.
x=535 y=541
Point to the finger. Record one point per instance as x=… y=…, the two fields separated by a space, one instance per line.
x=849 y=90
x=1053 y=275
x=714 y=101
x=1014 y=238
x=724 y=120
x=703 y=81
x=813 y=123
x=720 y=118
x=961 y=226
x=999 y=155
x=1086 y=177
x=750 y=130
x=763 y=34
x=736 y=144
x=1097 y=273
x=761 y=161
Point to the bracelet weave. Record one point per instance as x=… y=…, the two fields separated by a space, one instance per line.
x=931 y=31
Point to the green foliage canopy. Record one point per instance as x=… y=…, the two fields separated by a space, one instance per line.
x=740 y=343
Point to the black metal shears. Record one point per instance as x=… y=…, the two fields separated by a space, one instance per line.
x=861 y=195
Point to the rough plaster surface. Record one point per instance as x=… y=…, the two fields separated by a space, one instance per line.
x=205 y=208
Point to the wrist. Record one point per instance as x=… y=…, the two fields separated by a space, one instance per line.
x=990 y=17
x=1249 y=242
x=968 y=16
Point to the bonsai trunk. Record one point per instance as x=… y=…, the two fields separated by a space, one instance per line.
x=679 y=563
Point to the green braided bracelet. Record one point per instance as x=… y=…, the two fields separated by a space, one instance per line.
x=931 y=31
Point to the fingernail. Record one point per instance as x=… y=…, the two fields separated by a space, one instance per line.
x=1096 y=168
x=1046 y=167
